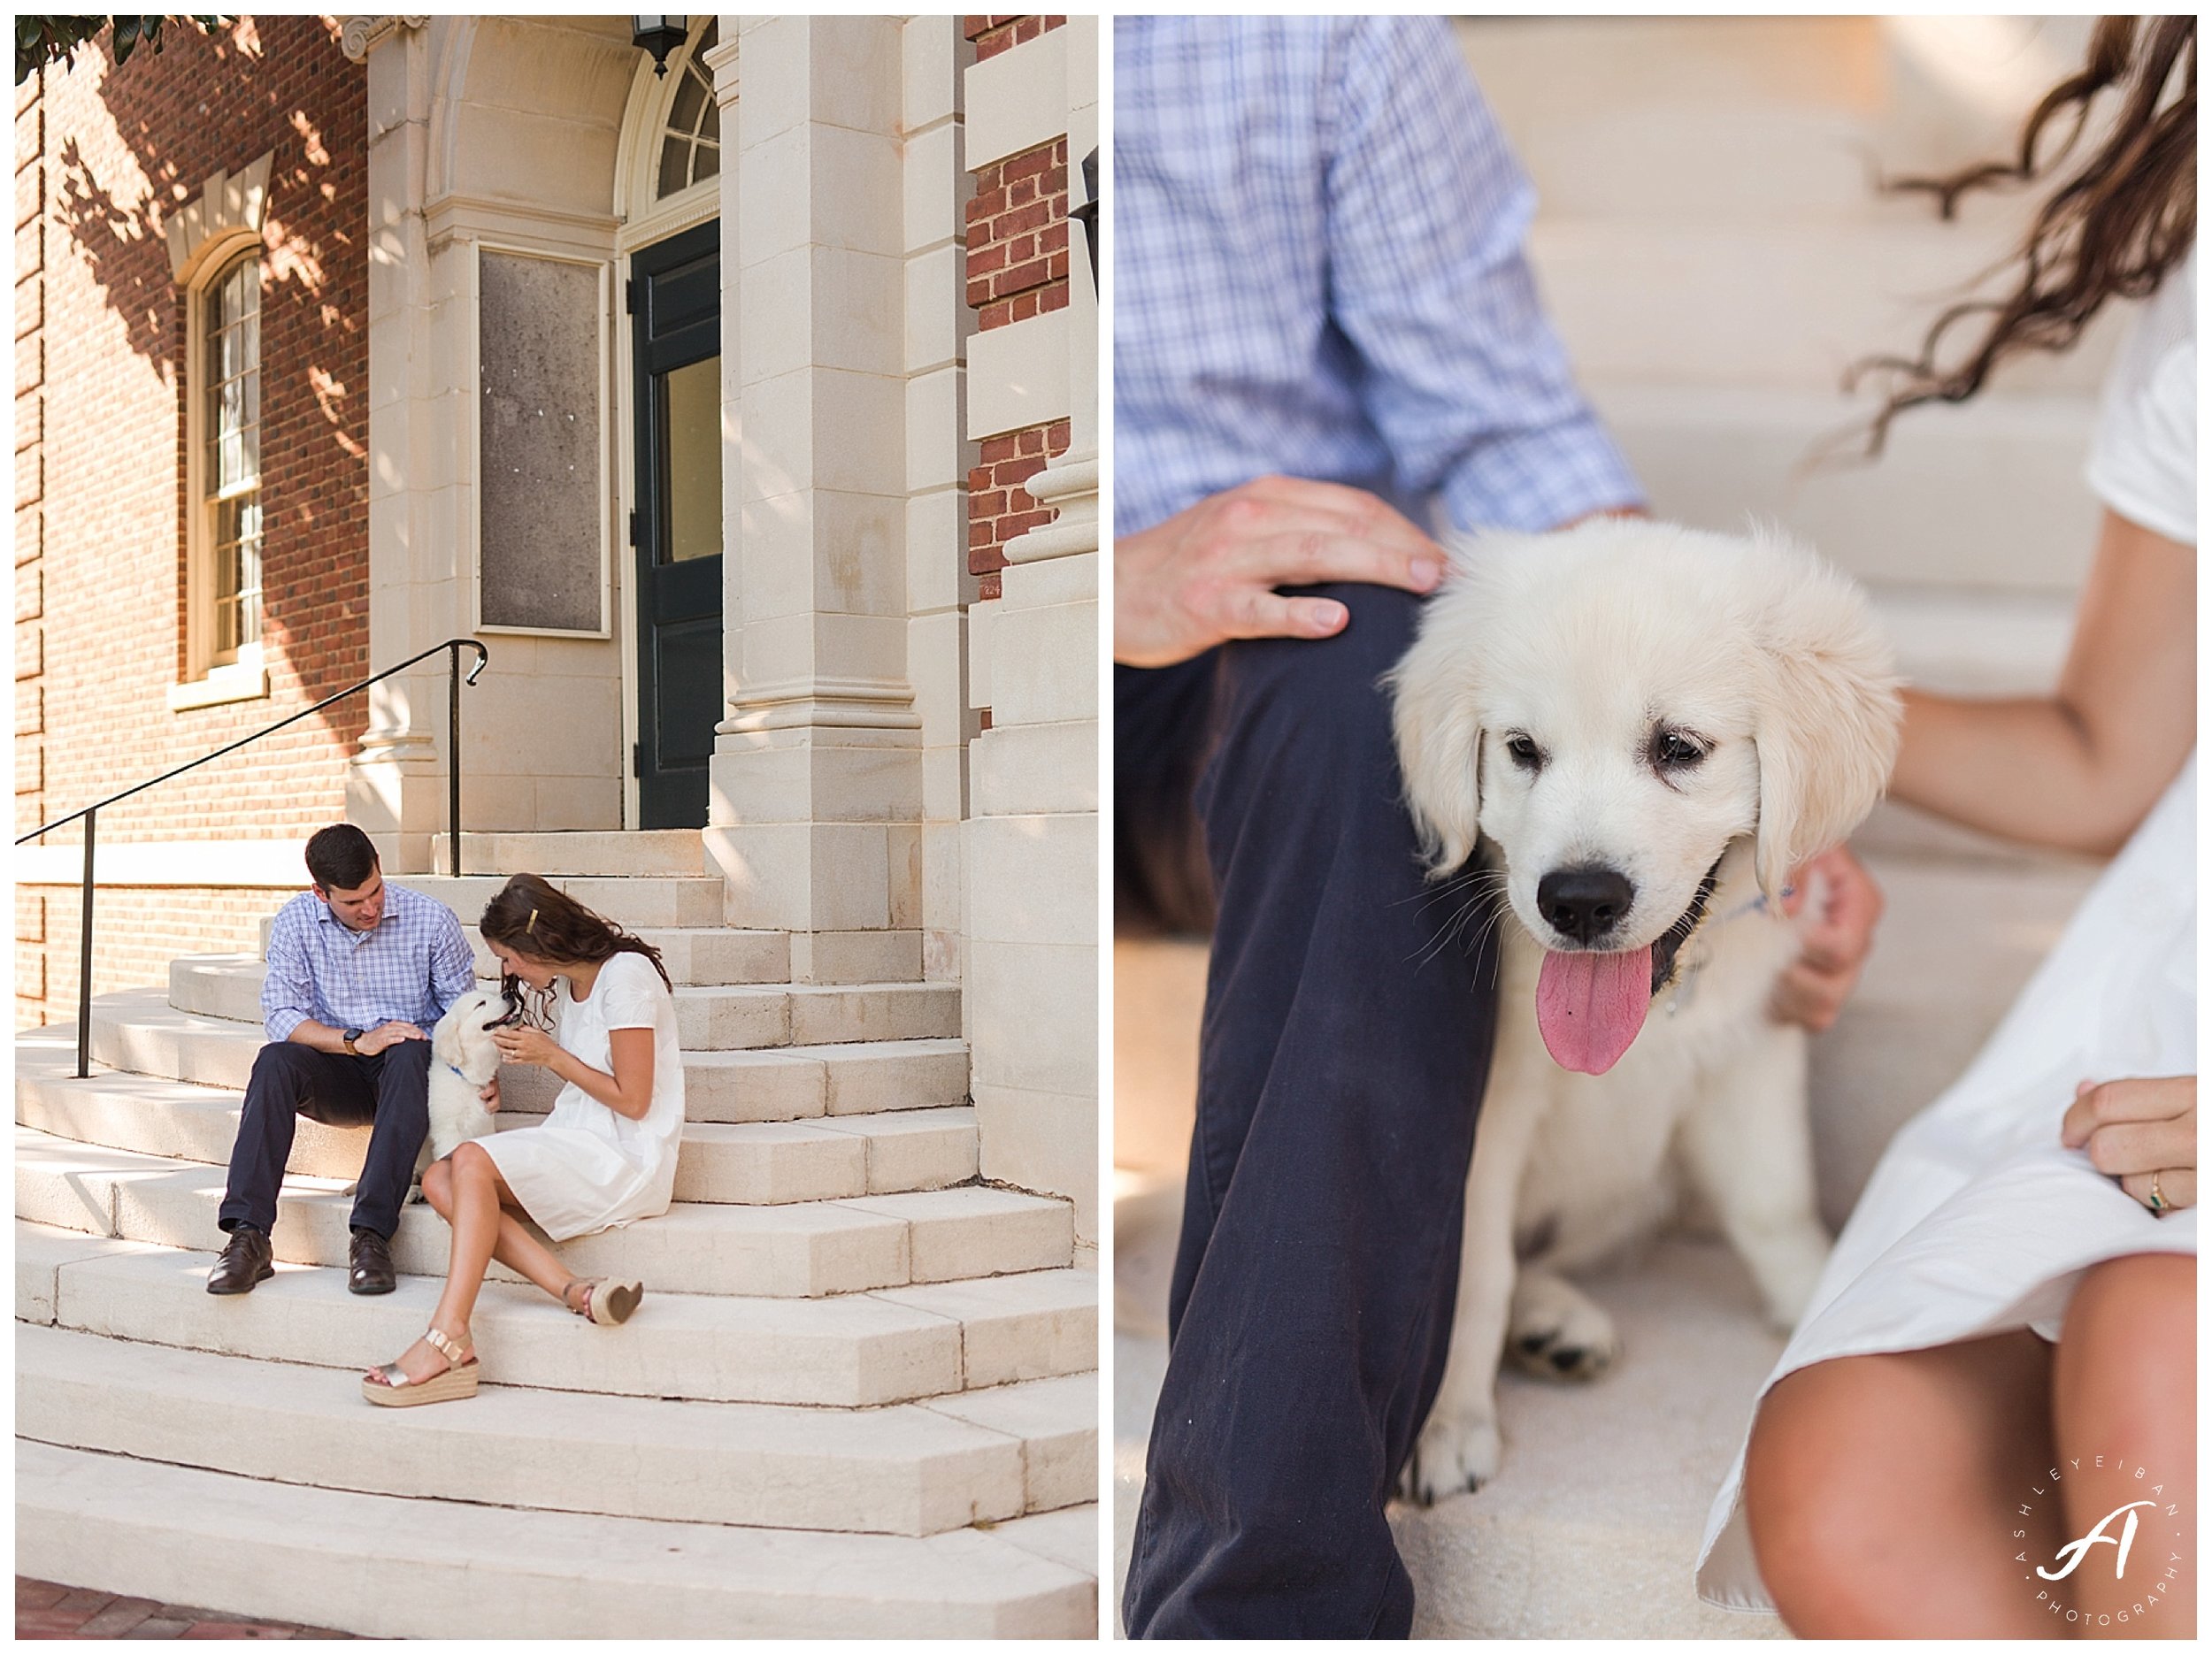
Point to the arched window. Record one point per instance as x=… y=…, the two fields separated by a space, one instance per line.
x=691 y=143
x=229 y=483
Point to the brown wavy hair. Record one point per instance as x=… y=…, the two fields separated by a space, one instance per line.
x=2124 y=219
x=531 y=918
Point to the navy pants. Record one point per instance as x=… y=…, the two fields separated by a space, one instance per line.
x=1349 y=1008
x=389 y=1094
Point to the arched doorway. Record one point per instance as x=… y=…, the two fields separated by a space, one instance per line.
x=669 y=178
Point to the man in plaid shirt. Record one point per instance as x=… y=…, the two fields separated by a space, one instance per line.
x=359 y=972
x=1326 y=336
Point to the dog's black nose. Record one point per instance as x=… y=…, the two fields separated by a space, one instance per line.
x=1584 y=903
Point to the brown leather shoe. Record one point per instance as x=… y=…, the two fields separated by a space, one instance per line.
x=370 y=1264
x=245 y=1262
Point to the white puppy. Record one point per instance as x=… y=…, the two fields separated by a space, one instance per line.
x=1644 y=728
x=463 y=1059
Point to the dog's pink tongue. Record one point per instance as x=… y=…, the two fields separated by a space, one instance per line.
x=1590 y=1006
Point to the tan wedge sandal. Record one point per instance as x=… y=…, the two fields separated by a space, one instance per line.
x=606 y=1302
x=457 y=1381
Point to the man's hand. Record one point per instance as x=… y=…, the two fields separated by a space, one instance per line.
x=384 y=1035
x=490 y=1094
x=1209 y=573
x=1834 y=948
x=2134 y=1127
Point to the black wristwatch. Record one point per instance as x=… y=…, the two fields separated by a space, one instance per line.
x=351 y=1036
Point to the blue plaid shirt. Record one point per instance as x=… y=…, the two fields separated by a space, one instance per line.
x=1319 y=271
x=409 y=969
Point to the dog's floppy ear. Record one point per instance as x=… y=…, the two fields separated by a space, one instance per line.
x=445 y=1039
x=1827 y=713
x=1439 y=735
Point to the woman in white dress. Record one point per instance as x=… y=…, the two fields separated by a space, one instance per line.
x=605 y=1156
x=1984 y=1425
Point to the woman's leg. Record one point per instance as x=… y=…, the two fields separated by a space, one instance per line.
x=514 y=1246
x=1883 y=1492
x=528 y=1257
x=466 y=1190
x=477 y=1188
x=2124 y=1417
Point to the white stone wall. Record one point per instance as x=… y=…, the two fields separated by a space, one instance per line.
x=939 y=329
x=1033 y=837
x=498 y=132
x=815 y=787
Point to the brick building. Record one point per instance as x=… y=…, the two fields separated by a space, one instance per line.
x=141 y=192
x=746 y=414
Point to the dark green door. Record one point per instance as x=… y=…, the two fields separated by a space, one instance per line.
x=675 y=296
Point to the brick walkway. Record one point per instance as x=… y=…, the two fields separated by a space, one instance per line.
x=43 y=1610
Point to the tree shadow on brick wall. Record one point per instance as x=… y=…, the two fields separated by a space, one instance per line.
x=109 y=237
x=313 y=296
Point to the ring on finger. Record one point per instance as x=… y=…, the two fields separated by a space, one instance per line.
x=2158 y=1201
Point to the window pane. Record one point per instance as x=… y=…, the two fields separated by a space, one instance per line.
x=710 y=162
x=691 y=446
x=675 y=164
x=230 y=396
x=236 y=575
x=689 y=98
x=711 y=129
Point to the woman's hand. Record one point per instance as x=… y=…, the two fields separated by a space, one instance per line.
x=519 y=1044
x=1834 y=947
x=1209 y=573
x=2135 y=1129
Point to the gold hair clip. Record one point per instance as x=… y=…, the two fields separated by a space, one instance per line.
x=531 y=930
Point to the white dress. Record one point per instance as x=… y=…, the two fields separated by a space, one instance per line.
x=1977 y=1221
x=586 y=1168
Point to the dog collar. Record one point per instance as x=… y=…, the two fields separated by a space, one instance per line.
x=455 y=1067
x=1693 y=964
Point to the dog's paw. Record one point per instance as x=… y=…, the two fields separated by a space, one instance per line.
x=1451 y=1457
x=1557 y=1333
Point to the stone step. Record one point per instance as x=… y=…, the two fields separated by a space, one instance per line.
x=913 y=1468
x=1774 y=116
x=571 y=854
x=1590 y=1528
x=690 y=954
x=761 y=1162
x=1976 y=642
x=1985 y=497
x=632 y=901
x=140 y=1031
x=1787 y=304
x=807 y=1249
x=719 y=1017
x=856 y=1350
x=386 y=1567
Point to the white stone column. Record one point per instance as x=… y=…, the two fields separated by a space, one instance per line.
x=1034 y=864
x=814 y=790
x=395 y=784
x=939 y=453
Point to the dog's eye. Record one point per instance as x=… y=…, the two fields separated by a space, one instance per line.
x=1671 y=750
x=1525 y=751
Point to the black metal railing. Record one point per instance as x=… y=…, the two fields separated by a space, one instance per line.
x=90 y=813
